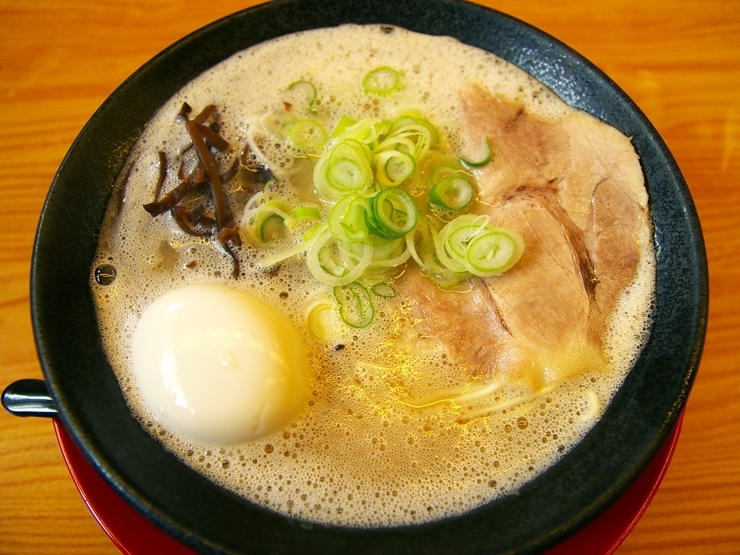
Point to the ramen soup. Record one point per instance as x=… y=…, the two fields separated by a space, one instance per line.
x=366 y=277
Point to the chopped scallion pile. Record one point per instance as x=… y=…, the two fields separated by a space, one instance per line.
x=371 y=177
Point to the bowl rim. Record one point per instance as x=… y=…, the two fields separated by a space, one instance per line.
x=60 y=280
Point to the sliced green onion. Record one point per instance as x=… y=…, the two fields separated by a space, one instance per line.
x=347 y=219
x=325 y=270
x=433 y=135
x=304 y=213
x=355 y=305
x=442 y=275
x=348 y=169
x=458 y=240
x=409 y=136
x=270 y=219
x=270 y=228
x=426 y=256
x=269 y=186
x=423 y=228
x=393 y=147
x=285 y=124
x=483 y=161
x=309 y=91
x=451 y=243
x=442 y=172
x=451 y=262
x=452 y=193
x=468 y=244
x=399 y=167
x=418 y=125
x=311 y=232
x=393 y=213
x=307 y=133
x=344 y=122
x=276 y=258
x=403 y=142
x=401 y=124
x=345 y=168
x=318 y=319
x=393 y=167
x=278 y=123
x=329 y=264
x=494 y=251
x=387 y=253
x=364 y=131
x=383 y=289
x=382 y=80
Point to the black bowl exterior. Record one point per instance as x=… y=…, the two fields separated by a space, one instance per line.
x=211 y=520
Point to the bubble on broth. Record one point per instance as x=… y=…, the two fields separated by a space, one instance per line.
x=105 y=274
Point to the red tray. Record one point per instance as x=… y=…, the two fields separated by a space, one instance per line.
x=134 y=535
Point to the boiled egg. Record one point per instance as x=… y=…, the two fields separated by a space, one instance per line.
x=218 y=365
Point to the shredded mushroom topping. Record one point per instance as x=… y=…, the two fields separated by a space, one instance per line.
x=192 y=219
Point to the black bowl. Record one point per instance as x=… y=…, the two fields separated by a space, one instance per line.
x=211 y=520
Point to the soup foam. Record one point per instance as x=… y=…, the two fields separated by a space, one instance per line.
x=356 y=455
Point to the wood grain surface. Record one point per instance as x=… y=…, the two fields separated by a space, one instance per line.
x=679 y=61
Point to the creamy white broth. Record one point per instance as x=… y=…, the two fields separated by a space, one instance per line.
x=357 y=454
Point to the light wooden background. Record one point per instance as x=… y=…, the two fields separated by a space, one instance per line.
x=679 y=60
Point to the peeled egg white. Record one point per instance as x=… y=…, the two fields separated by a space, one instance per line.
x=218 y=365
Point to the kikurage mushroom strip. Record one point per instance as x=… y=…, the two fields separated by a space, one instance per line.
x=191 y=221
x=194 y=222
x=171 y=199
x=227 y=230
x=162 y=174
x=188 y=185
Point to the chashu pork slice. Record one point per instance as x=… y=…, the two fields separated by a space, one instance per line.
x=573 y=189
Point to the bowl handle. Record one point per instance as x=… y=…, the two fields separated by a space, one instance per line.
x=29 y=398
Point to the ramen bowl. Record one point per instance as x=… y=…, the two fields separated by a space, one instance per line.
x=573 y=492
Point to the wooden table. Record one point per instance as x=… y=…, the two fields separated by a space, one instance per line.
x=679 y=60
